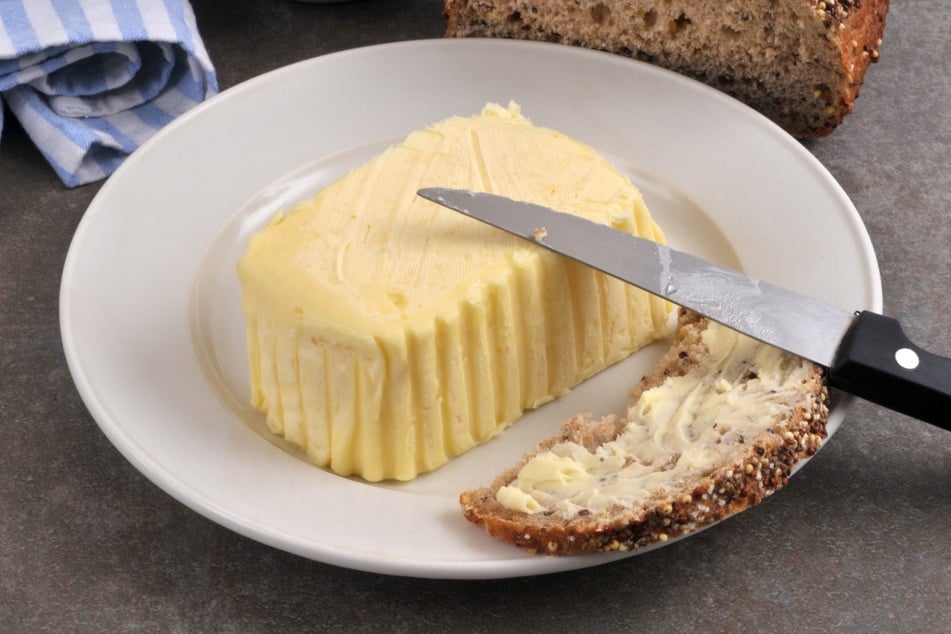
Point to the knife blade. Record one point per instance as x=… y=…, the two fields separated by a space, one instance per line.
x=865 y=353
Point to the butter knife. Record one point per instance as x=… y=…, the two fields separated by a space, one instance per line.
x=866 y=354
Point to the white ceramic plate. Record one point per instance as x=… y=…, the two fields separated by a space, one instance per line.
x=149 y=302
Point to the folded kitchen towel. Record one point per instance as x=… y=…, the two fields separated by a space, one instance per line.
x=91 y=80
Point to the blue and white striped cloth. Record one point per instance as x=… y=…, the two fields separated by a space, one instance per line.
x=91 y=80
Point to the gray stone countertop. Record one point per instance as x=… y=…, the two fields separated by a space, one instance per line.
x=859 y=541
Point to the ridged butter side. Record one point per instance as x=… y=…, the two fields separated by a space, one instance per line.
x=387 y=335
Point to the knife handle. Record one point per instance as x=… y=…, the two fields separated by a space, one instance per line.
x=876 y=361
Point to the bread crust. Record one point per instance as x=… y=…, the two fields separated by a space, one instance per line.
x=799 y=62
x=737 y=484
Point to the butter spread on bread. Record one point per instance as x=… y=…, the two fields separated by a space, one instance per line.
x=717 y=427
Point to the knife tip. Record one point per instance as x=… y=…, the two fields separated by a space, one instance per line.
x=447 y=197
x=431 y=193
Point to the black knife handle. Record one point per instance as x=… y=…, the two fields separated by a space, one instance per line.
x=877 y=362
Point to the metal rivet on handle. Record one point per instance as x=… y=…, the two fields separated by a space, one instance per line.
x=907 y=358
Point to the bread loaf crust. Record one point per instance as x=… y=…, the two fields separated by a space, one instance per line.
x=799 y=62
x=739 y=483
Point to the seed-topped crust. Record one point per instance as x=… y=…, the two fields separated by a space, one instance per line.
x=761 y=467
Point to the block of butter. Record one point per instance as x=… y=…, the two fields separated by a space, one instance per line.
x=387 y=335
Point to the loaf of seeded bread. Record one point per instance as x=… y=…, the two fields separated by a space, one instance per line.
x=787 y=413
x=799 y=62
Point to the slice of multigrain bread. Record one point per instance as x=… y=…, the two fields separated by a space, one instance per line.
x=799 y=62
x=717 y=427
